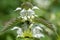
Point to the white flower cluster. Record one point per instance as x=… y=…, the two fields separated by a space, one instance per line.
x=27 y=14
x=35 y=31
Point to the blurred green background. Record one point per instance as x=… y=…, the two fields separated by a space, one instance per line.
x=49 y=9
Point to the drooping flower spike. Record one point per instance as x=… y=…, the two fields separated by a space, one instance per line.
x=27 y=14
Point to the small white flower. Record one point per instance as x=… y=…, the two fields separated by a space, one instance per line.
x=30 y=11
x=35 y=7
x=17 y=9
x=38 y=35
x=19 y=31
x=38 y=27
x=23 y=13
x=36 y=32
x=15 y=28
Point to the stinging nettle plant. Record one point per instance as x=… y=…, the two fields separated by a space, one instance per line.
x=30 y=24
